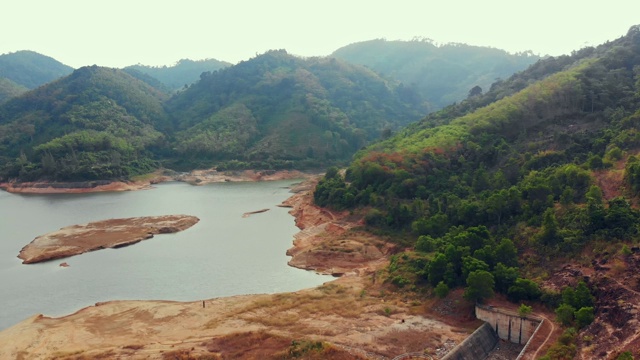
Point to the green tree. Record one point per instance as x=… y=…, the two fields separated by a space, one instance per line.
x=584 y=316
x=549 y=234
x=582 y=297
x=524 y=310
x=471 y=264
x=524 y=289
x=437 y=269
x=480 y=286
x=506 y=253
x=505 y=277
x=565 y=314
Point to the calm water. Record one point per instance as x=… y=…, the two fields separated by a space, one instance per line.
x=224 y=254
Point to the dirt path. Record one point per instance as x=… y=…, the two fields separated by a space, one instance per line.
x=546 y=340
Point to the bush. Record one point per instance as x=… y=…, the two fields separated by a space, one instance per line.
x=627 y=355
x=524 y=310
x=584 y=316
x=441 y=290
x=565 y=313
x=524 y=289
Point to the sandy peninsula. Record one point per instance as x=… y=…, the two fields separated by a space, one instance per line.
x=112 y=233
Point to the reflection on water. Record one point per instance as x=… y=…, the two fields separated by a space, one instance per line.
x=224 y=254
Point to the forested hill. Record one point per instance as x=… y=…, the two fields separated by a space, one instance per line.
x=9 y=89
x=30 y=69
x=500 y=192
x=96 y=123
x=441 y=74
x=184 y=73
x=278 y=106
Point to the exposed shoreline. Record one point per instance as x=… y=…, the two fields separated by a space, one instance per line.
x=353 y=312
x=195 y=177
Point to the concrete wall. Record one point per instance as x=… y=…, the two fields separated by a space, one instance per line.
x=509 y=326
x=476 y=346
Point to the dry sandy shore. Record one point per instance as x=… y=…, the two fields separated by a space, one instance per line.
x=196 y=177
x=357 y=315
x=112 y=233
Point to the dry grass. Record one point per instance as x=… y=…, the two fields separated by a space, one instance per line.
x=284 y=310
x=81 y=355
x=400 y=342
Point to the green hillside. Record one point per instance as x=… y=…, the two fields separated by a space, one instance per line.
x=9 y=89
x=184 y=73
x=500 y=191
x=280 y=107
x=30 y=69
x=441 y=74
x=96 y=123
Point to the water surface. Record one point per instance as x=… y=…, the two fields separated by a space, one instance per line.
x=222 y=255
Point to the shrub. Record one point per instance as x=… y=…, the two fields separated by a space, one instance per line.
x=441 y=290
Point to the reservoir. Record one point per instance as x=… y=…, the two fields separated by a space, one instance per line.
x=222 y=255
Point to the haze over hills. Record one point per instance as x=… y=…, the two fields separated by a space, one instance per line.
x=185 y=72
x=282 y=107
x=9 y=89
x=30 y=69
x=272 y=110
x=525 y=190
x=441 y=74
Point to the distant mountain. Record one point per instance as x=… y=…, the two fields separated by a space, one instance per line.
x=30 y=69
x=441 y=74
x=9 y=89
x=277 y=106
x=185 y=72
x=96 y=123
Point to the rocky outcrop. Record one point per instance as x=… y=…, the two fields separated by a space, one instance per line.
x=112 y=233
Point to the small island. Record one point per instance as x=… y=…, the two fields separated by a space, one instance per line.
x=112 y=233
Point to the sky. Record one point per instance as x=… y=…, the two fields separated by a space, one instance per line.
x=118 y=33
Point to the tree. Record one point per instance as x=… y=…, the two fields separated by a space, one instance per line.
x=437 y=269
x=524 y=289
x=565 y=313
x=505 y=277
x=506 y=253
x=584 y=316
x=549 y=234
x=471 y=264
x=480 y=286
x=582 y=296
x=524 y=310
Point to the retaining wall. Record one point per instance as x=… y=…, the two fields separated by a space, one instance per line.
x=476 y=346
x=509 y=326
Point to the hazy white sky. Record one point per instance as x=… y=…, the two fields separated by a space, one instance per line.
x=118 y=33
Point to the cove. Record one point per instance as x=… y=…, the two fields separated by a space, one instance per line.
x=224 y=254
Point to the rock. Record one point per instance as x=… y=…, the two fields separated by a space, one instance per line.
x=112 y=233
x=64 y=264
